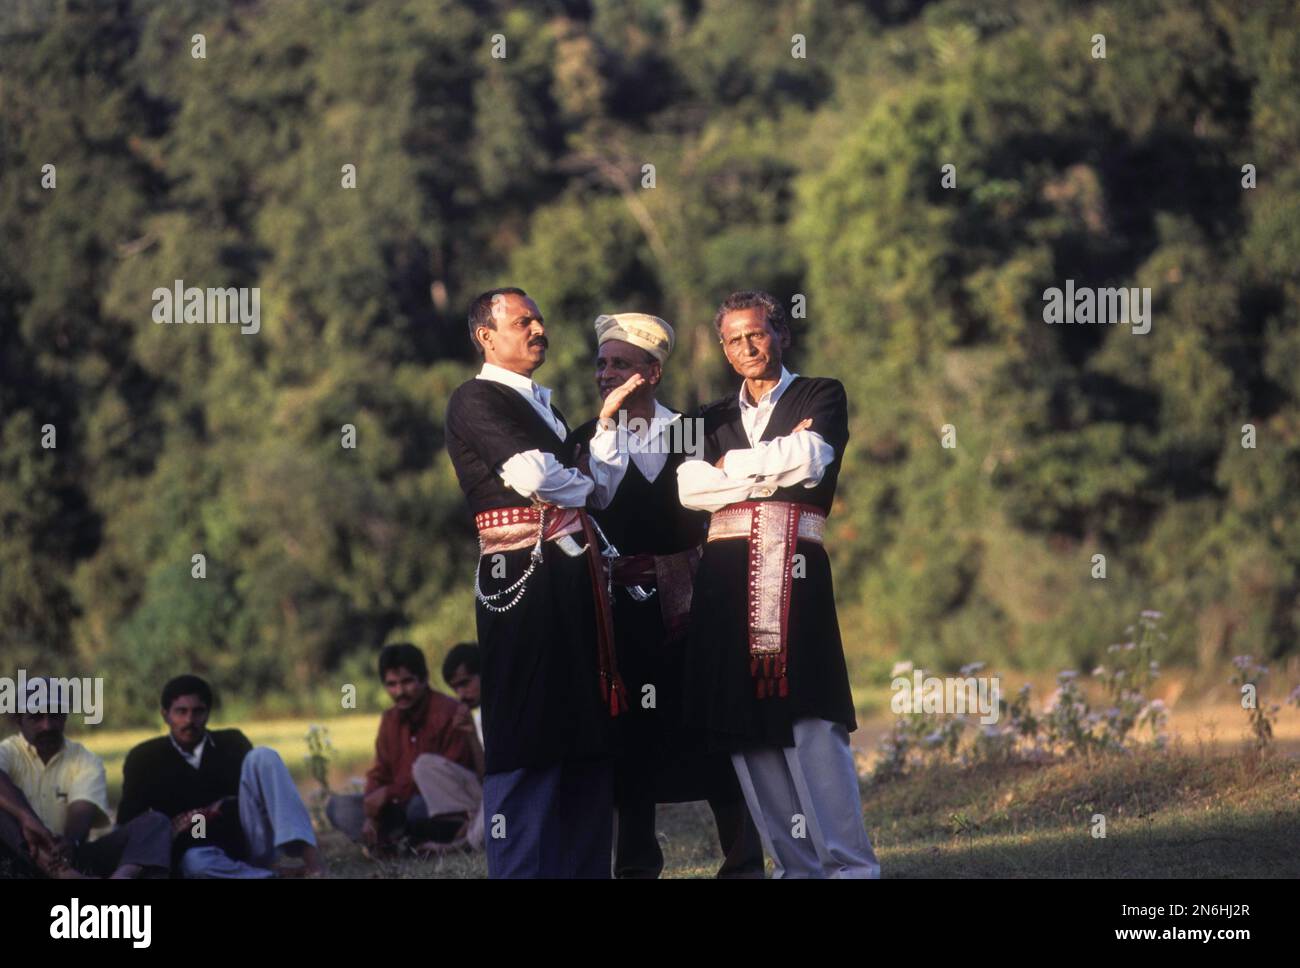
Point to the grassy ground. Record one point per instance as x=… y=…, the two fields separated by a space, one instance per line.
x=1175 y=814
x=1207 y=807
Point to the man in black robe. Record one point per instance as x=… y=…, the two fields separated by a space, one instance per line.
x=549 y=682
x=765 y=671
x=634 y=466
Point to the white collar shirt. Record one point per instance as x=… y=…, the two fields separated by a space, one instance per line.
x=195 y=756
x=755 y=416
x=538 y=396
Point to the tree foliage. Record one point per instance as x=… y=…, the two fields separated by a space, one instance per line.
x=819 y=176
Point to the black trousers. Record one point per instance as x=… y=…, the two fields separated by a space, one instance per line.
x=637 y=853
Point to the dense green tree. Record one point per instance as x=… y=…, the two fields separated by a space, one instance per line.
x=370 y=165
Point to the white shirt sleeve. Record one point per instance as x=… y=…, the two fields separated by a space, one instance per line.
x=751 y=472
x=608 y=465
x=703 y=487
x=800 y=458
x=536 y=474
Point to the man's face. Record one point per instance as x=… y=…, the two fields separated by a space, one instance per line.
x=44 y=731
x=617 y=362
x=466 y=686
x=187 y=718
x=752 y=346
x=405 y=688
x=519 y=341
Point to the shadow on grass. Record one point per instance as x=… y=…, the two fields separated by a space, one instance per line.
x=1218 y=845
x=1171 y=814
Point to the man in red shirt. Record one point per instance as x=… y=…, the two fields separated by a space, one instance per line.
x=427 y=779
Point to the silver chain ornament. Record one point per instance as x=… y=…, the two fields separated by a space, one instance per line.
x=535 y=559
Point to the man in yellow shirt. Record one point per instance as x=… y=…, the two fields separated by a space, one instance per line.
x=53 y=791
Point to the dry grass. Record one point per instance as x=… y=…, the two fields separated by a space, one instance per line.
x=1206 y=808
x=1175 y=814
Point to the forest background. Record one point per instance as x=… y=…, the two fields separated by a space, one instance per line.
x=1172 y=163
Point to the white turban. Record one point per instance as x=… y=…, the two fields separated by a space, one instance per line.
x=650 y=333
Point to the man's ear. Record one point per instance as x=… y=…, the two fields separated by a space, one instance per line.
x=656 y=373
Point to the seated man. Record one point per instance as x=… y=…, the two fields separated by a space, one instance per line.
x=461 y=671
x=53 y=791
x=427 y=779
x=234 y=809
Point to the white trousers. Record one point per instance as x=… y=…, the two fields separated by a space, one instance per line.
x=805 y=801
x=448 y=787
x=272 y=815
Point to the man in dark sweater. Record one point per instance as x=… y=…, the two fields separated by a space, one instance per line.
x=234 y=809
x=633 y=450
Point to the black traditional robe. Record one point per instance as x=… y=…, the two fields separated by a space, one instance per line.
x=663 y=761
x=720 y=691
x=540 y=674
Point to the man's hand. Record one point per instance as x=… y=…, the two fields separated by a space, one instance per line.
x=370 y=832
x=56 y=860
x=183 y=821
x=39 y=838
x=64 y=848
x=617 y=397
x=373 y=803
x=804 y=424
x=464 y=722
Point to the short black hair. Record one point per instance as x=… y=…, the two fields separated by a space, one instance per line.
x=480 y=312
x=773 y=311
x=403 y=655
x=186 y=685
x=462 y=654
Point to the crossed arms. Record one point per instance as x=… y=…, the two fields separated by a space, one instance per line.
x=743 y=474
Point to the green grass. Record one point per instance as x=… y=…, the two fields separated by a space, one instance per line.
x=1173 y=814
x=1199 y=812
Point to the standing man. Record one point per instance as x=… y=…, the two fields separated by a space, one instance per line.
x=634 y=466
x=766 y=674
x=550 y=686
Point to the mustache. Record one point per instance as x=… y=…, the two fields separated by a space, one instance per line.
x=541 y=341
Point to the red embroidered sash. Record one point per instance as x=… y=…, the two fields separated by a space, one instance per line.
x=773 y=530
x=515 y=528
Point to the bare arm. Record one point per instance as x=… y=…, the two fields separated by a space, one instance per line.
x=82 y=815
x=12 y=801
